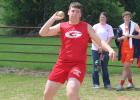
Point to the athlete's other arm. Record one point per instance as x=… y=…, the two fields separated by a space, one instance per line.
x=49 y=30
x=100 y=43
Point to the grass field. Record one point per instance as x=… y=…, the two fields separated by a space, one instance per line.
x=38 y=47
x=30 y=87
x=27 y=87
x=21 y=87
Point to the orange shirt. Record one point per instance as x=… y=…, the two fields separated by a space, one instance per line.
x=125 y=43
x=126 y=51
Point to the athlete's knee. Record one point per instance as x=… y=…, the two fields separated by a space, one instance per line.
x=126 y=67
x=72 y=95
x=73 y=90
x=46 y=92
x=46 y=95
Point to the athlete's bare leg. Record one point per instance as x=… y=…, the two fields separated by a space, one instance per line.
x=126 y=71
x=51 y=89
x=73 y=87
x=129 y=74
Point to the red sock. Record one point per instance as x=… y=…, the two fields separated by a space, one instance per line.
x=130 y=80
x=122 y=82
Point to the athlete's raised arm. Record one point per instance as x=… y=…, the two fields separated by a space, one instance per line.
x=49 y=30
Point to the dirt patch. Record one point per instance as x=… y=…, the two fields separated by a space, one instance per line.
x=23 y=72
x=127 y=98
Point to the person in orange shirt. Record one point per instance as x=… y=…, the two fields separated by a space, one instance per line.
x=126 y=34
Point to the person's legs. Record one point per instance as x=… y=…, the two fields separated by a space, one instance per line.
x=56 y=78
x=105 y=73
x=127 y=66
x=73 y=87
x=126 y=59
x=129 y=75
x=51 y=89
x=125 y=75
x=95 y=73
x=126 y=70
x=75 y=79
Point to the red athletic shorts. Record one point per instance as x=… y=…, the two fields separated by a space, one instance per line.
x=63 y=71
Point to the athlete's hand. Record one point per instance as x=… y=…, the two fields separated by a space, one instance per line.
x=129 y=35
x=122 y=38
x=100 y=49
x=112 y=55
x=59 y=15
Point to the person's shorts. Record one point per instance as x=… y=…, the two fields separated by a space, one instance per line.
x=63 y=71
x=127 y=56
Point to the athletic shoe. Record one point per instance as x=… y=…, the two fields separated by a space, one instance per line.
x=96 y=86
x=108 y=86
x=119 y=88
x=130 y=86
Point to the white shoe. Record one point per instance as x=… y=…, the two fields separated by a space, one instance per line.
x=130 y=86
x=96 y=86
x=119 y=88
x=107 y=87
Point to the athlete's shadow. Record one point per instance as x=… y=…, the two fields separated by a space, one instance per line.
x=137 y=89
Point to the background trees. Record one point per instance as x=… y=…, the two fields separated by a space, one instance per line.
x=133 y=6
x=22 y=13
x=36 y=12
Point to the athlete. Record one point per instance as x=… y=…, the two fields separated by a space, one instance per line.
x=128 y=35
x=71 y=63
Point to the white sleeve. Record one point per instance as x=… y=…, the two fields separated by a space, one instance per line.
x=111 y=33
x=94 y=27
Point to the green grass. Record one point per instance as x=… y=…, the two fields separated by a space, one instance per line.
x=21 y=87
x=39 y=57
x=15 y=87
x=28 y=48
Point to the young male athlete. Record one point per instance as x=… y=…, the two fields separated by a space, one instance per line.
x=71 y=63
x=128 y=35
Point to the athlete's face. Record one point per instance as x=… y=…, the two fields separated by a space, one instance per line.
x=126 y=18
x=102 y=19
x=74 y=13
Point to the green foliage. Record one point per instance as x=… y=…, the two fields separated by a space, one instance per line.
x=137 y=10
x=36 y=12
x=92 y=9
x=132 y=6
x=22 y=13
x=129 y=4
x=95 y=7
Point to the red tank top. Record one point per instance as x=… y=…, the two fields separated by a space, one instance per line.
x=74 y=40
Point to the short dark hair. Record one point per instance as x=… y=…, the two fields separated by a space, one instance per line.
x=76 y=5
x=104 y=13
x=126 y=13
